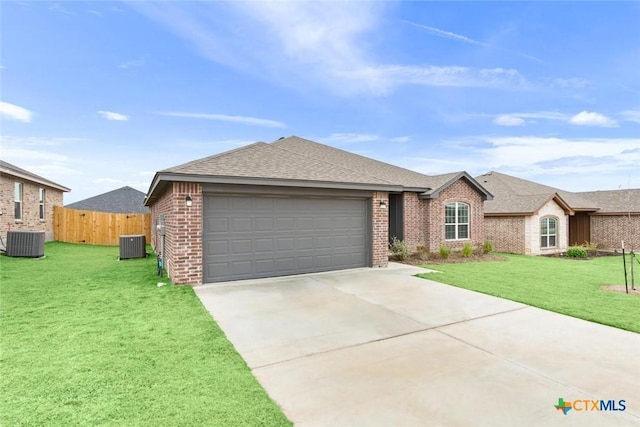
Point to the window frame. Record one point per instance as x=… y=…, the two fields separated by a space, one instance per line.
x=18 y=190
x=457 y=224
x=41 y=204
x=546 y=221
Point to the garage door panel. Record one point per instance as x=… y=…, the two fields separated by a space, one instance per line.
x=257 y=236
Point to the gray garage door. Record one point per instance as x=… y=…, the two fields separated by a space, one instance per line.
x=254 y=236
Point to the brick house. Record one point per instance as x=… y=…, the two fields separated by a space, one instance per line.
x=296 y=206
x=530 y=218
x=27 y=201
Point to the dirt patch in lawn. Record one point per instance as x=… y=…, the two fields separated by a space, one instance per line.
x=454 y=258
x=621 y=289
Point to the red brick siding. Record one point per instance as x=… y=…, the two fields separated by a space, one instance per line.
x=183 y=232
x=506 y=233
x=380 y=229
x=413 y=220
x=460 y=191
x=30 y=207
x=609 y=230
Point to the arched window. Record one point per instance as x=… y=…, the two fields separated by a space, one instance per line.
x=548 y=232
x=456 y=221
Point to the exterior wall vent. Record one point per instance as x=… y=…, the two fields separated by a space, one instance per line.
x=133 y=246
x=25 y=244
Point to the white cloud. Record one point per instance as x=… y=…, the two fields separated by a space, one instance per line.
x=508 y=120
x=459 y=37
x=349 y=138
x=15 y=112
x=589 y=118
x=401 y=139
x=253 y=121
x=535 y=157
x=21 y=153
x=134 y=63
x=631 y=115
x=110 y=115
x=323 y=43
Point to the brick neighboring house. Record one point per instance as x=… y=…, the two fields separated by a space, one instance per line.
x=122 y=200
x=296 y=206
x=530 y=218
x=27 y=201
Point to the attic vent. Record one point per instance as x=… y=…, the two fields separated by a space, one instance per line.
x=25 y=243
x=133 y=246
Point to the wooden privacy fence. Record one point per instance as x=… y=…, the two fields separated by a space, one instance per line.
x=97 y=228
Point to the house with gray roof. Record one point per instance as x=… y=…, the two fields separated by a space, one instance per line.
x=27 y=200
x=530 y=218
x=125 y=200
x=296 y=206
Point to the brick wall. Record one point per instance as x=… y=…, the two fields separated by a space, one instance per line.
x=183 y=232
x=507 y=233
x=380 y=232
x=30 y=207
x=460 y=191
x=609 y=230
x=414 y=220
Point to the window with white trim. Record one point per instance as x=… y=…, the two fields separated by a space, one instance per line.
x=41 y=203
x=548 y=232
x=456 y=221
x=17 y=197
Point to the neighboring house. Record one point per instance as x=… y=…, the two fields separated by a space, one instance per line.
x=295 y=206
x=123 y=200
x=530 y=218
x=27 y=201
x=617 y=219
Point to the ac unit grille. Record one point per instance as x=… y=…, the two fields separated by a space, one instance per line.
x=25 y=244
x=133 y=246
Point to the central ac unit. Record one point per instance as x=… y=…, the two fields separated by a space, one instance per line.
x=25 y=243
x=133 y=246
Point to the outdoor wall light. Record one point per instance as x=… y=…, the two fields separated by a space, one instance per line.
x=383 y=204
x=188 y=200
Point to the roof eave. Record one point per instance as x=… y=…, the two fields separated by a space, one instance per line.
x=44 y=182
x=161 y=179
x=509 y=213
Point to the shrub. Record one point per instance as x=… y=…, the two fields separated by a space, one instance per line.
x=399 y=248
x=444 y=252
x=487 y=246
x=576 y=252
x=467 y=250
x=590 y=247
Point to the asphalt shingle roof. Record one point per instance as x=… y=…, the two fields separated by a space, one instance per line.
x=122 y=200
x=299 y=159
x=516 y=195
x=262 y=160
x=9 y=169
x=618 y=201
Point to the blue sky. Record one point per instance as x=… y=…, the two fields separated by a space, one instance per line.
x=98 y=95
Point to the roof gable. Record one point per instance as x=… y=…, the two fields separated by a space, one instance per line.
x=9 y=169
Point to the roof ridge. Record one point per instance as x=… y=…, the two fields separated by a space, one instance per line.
x=335 y=165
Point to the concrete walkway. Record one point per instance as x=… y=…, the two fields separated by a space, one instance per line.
x=379 y=347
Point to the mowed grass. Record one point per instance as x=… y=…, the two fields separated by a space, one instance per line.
x=566 y=286
x=87 y=340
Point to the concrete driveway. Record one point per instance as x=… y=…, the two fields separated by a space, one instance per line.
x=379 y=347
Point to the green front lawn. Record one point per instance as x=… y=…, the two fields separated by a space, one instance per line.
x=88 y=340
x=566 y=286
